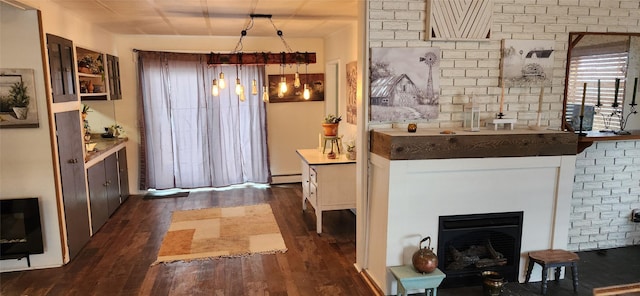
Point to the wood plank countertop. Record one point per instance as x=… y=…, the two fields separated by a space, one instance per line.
x=104 y=148
x=316 y=157
x=398 y=144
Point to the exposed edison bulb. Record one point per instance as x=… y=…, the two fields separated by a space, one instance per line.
x=283 y=84
x=296 y=80
x=306 y=94
x=280 y=93
x=238 y=86
x=215 y=90
x=242 y=97
x=222 y=84
x=254 y=87
x=265 y=94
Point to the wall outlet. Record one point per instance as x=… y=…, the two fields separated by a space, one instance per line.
x=635 y=215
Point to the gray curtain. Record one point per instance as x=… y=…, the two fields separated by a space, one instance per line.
x=193 y=139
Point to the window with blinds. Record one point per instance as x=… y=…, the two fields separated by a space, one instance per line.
x=599 y=71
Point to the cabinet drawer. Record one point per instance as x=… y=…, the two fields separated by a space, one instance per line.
x=313 y=195
x=312 y=175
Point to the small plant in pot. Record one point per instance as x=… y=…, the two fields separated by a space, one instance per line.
x=351 y=151
x=330 y=125
x=85 y=64
x=19 y=99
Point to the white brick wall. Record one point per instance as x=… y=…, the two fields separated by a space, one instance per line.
x=401 y=23
x=607 y=181
x=606 y=190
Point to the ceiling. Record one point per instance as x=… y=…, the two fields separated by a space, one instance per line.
x=296 y=18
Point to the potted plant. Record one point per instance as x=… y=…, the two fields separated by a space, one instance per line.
x=116 y=130
x=85 y=111
x=19 y=99
x=351 y=151
x=85 y=64
x=330 y=125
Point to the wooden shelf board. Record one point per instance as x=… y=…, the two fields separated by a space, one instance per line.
x=396 y=144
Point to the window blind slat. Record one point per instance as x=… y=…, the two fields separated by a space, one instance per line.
x=591 y=68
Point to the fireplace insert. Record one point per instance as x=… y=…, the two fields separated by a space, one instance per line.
x=471 y=244
x=20 y=229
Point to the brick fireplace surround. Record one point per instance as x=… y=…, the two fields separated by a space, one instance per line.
x=418 y=177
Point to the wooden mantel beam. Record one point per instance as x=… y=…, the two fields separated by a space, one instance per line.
x=262 y=58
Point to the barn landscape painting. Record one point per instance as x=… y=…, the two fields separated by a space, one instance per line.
x=404 y=84
x=527 y=63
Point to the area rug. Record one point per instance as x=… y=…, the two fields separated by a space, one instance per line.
x=221 y=232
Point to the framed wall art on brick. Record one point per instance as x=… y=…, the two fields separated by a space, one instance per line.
x=459 y=20
x=527 y=63
x=405 y=84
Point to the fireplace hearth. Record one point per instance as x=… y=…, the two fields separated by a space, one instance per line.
x=20 y=229
x=471 y=244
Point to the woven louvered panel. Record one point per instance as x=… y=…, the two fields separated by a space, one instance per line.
x=459 y=19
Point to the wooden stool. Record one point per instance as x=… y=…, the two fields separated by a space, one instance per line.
x=408 y=279
x=554 y=259
x=332 y=140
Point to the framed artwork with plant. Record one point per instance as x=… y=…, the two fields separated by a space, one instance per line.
x=18 y=99
x=314 y=81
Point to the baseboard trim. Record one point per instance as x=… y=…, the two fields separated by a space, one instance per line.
x=285 y=179
x=372 y=285
x=617 y=290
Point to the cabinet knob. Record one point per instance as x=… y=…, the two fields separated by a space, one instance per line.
x=73 y=160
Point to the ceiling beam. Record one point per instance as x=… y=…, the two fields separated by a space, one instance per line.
x=261 y=58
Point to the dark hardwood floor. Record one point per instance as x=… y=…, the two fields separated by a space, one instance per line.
x=596 y=269
x=117 y=260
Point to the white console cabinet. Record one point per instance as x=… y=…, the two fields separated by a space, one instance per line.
x=328 y=184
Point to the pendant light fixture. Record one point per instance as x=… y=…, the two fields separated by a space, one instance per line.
x=296 y=79
x=306 y=94
x=221 y=83
x=254 y=87
x=283 y=84
x=238 y=84
x=242 y=96
x=237 y=57
x=215 y=89
x=239 y=87
x=283 y=79
x=265 y=94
